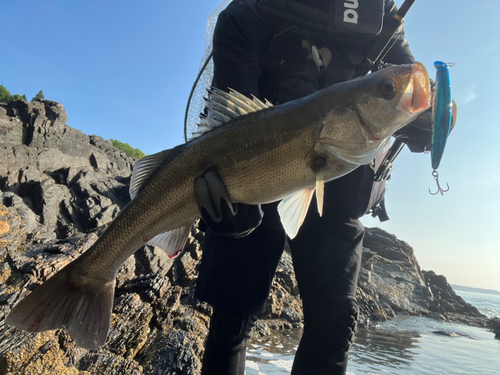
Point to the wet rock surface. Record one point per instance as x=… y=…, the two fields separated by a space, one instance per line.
x=59 y=188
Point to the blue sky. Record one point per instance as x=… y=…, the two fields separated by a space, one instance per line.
x=124 y=69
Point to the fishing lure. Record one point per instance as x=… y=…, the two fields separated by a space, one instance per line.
x=441 y=119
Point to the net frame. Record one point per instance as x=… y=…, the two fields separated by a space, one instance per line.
x=196 y=102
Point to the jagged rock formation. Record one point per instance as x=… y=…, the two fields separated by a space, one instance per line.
x=61 y=181
x=391 y=282
x=59 y=188
x=157 y=326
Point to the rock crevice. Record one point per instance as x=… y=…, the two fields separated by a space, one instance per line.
x=59 y=188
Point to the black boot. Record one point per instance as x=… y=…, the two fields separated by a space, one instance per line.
x=326 y=340
x=225 y=349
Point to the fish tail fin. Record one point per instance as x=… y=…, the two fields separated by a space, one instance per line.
x=83 y=308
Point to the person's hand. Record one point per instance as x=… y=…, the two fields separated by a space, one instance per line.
x=219 y=213
x=417 y=135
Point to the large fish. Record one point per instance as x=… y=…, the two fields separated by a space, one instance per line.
x=262 y=153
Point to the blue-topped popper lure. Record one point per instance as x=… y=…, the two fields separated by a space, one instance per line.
x=442 y=108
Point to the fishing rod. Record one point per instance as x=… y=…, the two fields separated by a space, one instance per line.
x=372 y=62
x=385 y=41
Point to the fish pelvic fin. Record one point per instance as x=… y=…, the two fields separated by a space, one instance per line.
x=84 y=309
x=293 y=210
x=172 y=242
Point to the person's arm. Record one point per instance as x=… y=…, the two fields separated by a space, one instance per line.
x=236 y=66
x=236 y=63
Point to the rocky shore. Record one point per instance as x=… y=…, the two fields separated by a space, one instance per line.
x=59 y=188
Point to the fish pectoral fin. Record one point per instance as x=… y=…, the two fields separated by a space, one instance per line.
x=172 y=242
x=144 y=167
x=293 y=210
x=80 y=305
x=320 y=191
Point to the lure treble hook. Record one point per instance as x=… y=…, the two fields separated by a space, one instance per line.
x=435 y=174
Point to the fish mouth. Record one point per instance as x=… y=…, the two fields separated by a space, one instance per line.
x=421 y=98
x=417 y=96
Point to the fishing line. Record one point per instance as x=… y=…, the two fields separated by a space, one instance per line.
x=476 y=59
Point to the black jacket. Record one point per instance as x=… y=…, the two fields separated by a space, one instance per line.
x=247 y=60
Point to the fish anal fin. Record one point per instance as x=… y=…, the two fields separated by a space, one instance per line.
x=144 y=167
x=320 y=191
x=84 y=309
x=293 y=210
x=172 y=242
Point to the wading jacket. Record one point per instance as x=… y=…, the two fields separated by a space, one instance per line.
x=247 y=59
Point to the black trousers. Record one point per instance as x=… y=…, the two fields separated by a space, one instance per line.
x=236 y=276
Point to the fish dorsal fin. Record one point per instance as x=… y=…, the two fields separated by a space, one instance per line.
x=172 y=242
x=223 y=107
x=144 y=167
x=293 y=210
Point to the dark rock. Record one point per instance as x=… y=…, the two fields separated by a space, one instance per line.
x=390 y=277
x=69 y=181
x=446 y=301
x=494 y=326
x=284 y=300
x=175 y=352
x=379 y=315
x=60 y=188
x=437 y=317
x=391 y=280
x=446 y=333
x=156 y=322
x=104 y=363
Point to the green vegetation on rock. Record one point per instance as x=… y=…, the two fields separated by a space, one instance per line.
x=38 y=96
x=6 y=97
x=129 y=150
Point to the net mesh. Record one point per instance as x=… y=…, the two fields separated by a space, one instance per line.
x=196 y=102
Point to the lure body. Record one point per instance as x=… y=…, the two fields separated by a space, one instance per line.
x=441 y=113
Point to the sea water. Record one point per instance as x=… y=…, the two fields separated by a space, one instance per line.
x=405 y=345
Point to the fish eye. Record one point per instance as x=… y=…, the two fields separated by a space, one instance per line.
x=388 y=88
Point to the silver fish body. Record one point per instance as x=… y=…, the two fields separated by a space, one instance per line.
x=276 y=153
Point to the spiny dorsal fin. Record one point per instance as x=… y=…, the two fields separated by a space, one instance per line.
x=223 y=107
x=144 y=167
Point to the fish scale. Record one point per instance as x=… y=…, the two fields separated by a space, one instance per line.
x=275 y=153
